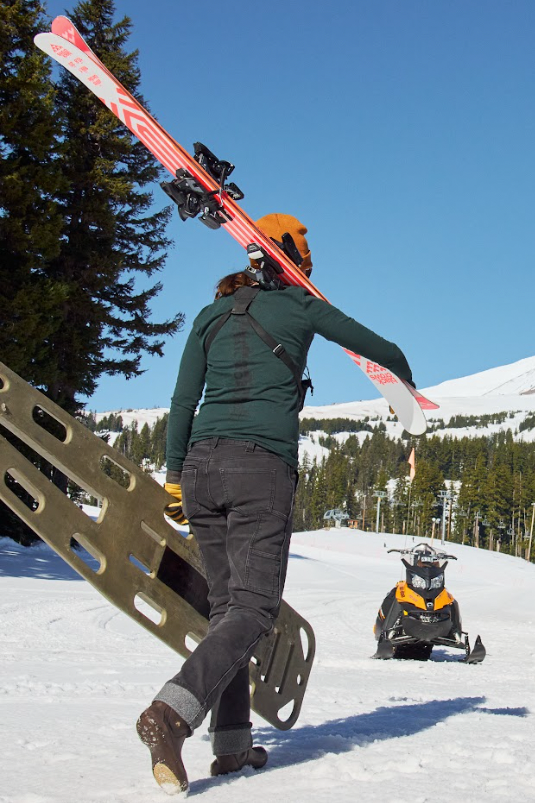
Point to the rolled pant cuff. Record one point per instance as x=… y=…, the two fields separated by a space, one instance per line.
x=227 y=741
x=183 y=702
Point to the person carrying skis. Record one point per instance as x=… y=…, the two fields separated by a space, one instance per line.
x=232 y=470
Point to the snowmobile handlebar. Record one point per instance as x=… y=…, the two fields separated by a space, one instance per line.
x=434 y=556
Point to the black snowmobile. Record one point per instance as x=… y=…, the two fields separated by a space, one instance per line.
x=420 y=613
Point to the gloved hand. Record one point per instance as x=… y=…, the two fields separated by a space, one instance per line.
x=174 y=509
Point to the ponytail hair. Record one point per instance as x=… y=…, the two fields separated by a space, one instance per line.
x=229 y=284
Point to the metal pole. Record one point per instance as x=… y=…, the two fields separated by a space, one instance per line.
x=445 y=496
x=378 y=511
x=528 y=554
x=379 y=495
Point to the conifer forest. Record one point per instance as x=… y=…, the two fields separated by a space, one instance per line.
x=476 y=491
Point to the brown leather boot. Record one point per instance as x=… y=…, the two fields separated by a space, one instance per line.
x=255 y=757
x=161 y=730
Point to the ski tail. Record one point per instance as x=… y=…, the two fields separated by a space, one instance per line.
x=423 y=402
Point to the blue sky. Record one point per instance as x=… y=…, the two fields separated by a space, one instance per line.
x=401 y=132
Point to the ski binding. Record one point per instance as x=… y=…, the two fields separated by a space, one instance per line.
x=193 y=200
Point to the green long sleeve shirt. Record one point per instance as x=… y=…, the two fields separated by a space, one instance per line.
x=249 y=394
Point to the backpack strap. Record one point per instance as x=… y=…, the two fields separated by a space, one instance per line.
x=241 y=303
x=243 y=298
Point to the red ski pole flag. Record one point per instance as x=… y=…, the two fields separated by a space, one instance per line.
x=412 y=463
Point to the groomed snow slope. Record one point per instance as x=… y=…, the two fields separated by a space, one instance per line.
x=75 y=673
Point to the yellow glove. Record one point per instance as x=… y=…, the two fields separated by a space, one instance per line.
x=174 y=509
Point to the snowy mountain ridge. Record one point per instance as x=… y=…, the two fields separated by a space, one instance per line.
x=505 y=380
x=508 y=390
x=506 y=394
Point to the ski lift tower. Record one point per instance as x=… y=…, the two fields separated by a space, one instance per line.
x=446 y=497
x=380 y=495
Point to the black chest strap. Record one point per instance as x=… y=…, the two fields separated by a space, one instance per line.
x=243 y=297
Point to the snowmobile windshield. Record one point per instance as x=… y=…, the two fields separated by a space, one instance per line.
x=425 y=577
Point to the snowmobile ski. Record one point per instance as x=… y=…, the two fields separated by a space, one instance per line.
x=214 y=202
x=385 y=649
x=131 y=554
x=475 y=655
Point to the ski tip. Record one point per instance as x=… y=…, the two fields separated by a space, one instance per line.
x=39 y=40
x=62 y=26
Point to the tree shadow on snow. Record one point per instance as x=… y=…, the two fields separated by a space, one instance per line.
x=296 y=746
x=38 y=561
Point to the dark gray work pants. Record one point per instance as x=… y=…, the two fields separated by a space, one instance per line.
x=239 y=500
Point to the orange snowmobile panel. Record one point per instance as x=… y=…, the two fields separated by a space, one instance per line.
x=405 y=594
x=443 y=599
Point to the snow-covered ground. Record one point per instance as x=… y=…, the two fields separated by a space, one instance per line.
x=75 y=673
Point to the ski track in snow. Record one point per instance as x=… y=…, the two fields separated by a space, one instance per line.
x=75 y=673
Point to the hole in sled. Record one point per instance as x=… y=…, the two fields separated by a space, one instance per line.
x=24 y=490
x=191 y=641
x=149 y=609
x=305 y=643
x=139 y=565
x=117 y=473
x=51 y=424
x=88 y=553
x=286 y=712
x=34 y=498
x=152 y=534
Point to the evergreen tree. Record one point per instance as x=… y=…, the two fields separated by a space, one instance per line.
x=317 y=495
x=76 y=221
x=30 y=180
x=498 y=505
x=385 y=520
x=111 y=236
x=427 y=484
x=30 y=220
x=141 y=455
x=401 y=501
x=158 y=441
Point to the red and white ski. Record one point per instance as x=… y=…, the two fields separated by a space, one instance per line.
x=68 y=48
